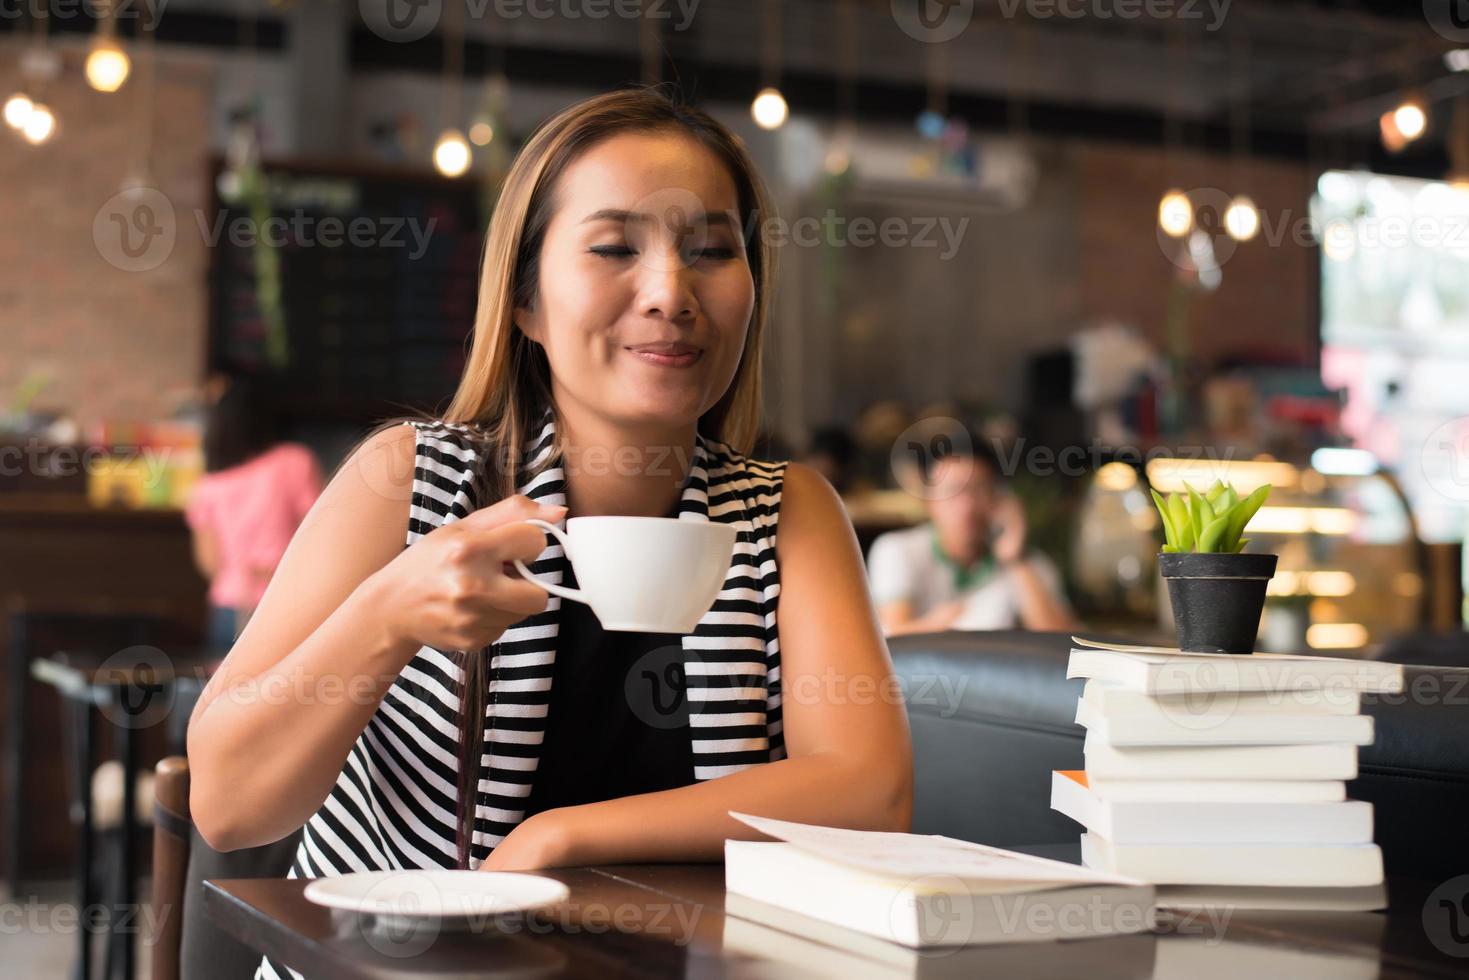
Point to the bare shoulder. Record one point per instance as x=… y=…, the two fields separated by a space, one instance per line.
x=374 y=483
x=811 y=510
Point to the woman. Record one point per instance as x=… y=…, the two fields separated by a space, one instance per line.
x=245 y=508
x=615 y=366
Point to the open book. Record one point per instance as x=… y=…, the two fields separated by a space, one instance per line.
x=923 y=891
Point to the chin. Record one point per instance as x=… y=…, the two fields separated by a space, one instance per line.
x=661 y=413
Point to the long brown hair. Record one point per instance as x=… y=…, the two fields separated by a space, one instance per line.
x=506 y=386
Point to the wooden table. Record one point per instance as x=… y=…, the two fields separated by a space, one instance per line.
x=669 y=921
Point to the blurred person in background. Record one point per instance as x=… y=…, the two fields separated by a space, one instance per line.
x=832 y=454
x=968 y=566
x=248 y=504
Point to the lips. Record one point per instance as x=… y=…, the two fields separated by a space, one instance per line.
x=667 y=354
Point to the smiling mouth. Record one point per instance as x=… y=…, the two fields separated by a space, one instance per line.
x=667 y=355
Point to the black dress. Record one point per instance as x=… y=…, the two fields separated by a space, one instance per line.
x=618 y=721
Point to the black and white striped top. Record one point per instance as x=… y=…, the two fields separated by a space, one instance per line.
x=393 y=806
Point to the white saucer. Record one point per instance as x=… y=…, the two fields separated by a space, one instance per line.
x=435 y=894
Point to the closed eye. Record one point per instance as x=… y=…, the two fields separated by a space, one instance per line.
x=715 y=252
x=611 y=251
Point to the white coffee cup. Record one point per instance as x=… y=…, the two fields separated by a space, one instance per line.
x=643 y=574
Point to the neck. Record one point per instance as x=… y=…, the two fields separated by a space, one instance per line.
x=963 y=554
x=616 y=469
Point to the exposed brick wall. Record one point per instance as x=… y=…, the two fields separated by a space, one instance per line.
x=118 y=344
x=1267 y=297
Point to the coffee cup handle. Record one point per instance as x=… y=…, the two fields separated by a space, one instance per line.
x=551 y=587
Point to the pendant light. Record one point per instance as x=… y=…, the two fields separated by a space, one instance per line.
x=24 y=110
x=141 y=173
x=1175 y=210
x=108 y=65
x=769 y=109
x=839 y=153
x=452 y=155
x=1241 y=217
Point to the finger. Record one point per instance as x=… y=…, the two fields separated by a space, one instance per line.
x=514 y=594
x=510 y=542
x=512 y=509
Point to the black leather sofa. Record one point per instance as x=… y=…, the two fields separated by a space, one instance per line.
x=992 y=715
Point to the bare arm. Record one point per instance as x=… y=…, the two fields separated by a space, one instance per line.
x=849 y=758
x=898 y=617
x=1040 y=608
x=347 y=609
x=259 y=732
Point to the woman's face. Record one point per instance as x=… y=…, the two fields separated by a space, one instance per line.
x=645 y=292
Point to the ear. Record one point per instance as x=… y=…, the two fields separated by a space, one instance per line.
x=529 y=323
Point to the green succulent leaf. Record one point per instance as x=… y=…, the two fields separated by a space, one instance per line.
x=1203 y=513
x=1207 y=523
x=1169 y=534
x=1182 y=523
x=1239 y=517
x=1213 y=535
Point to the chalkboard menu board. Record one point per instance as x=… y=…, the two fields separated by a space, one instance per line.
x=351 y=295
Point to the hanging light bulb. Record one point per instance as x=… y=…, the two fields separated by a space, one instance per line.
x=1242 y=219
x=451 y=153
x=1410 y=119
x=39 y=125
x=769 y=109
x=17 y=110
x=1175 y=213
x=481 y=133
x=107 y=65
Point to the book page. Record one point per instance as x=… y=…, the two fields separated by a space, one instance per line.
x=910 y=856
x=1159 y=655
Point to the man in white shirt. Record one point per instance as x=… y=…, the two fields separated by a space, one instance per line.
x=968 y=567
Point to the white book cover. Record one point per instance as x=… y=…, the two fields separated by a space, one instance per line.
x=1233 y=762
x=1363 y=898
x=1219 y=790
x=779 y=942
x=1322 y=700
x=1295 y=865
x=928 y=910
x=1154 y=670
x=1216 y=724
x=1347 y=822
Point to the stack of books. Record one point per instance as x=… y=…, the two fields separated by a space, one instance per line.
x=1223 y=778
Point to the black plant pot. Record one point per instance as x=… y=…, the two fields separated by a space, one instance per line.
x=1217 y=599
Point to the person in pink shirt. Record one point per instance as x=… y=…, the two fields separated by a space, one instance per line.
x=245 y=509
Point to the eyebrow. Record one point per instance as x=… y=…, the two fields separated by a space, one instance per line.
x=624 y=216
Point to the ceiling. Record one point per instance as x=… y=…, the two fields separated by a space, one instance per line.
x=1299 y=77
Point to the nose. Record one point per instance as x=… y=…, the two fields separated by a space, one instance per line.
x=665 y=290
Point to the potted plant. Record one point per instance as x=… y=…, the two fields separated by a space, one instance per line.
x=1216 y=590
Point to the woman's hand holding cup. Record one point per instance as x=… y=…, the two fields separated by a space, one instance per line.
x=451 y=590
